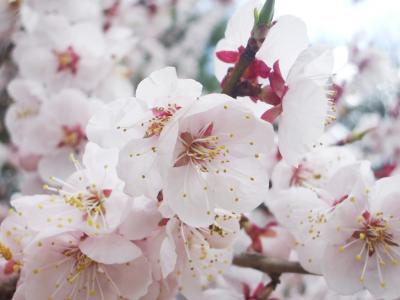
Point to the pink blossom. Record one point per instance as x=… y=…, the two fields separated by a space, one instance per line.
x=214 y=158
x=62 y=55
x=135 y=125
x=285 y=40
x=306 y=212
x=362 y=241
x=90 y=200
x=74 y=265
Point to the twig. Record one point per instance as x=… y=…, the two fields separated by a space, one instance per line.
x=353 y=137
x=268 y=265
x=261 y=26
x=7 y=289
x=5 y=51
x=270 y=287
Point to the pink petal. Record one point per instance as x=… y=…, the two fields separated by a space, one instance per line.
x=262 y=69
x=302 y=121
x=269 y=96
x=168 y=257
x=142 y=219
x=341 y=270
x=229 y=57
x=132 y=279
x=271 y=114
x=110 y=249
x=277 y=81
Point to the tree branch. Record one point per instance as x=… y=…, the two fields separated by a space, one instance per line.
x=7 y=289
x=271 y=286
x=353 y=137
x=262 y=23
x=5 y=52
x=268 y=265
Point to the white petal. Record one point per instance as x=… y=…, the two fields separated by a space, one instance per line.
x=168 y=257
x=302 y=120
x=163 y=87
x=110 y=249
x=315 y=63
x=184 y=192
x=142 y=219
x=138 y=166
x=106 y=127
x=341 y=270
x=284 y=42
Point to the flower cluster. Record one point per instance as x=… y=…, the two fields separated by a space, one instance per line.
x=150 y=194
x=72 y=59
x=68 y=66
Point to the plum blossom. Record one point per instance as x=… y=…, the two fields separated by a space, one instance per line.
x=285 y=40
x=313 y=171
x=203 y=253
x=239 y=284
x=264 y=235
x=74 y=11
x=72 y=265
x=15 y=236
x=90 y=200
x=302 y=102
x=375 y=72
x=362 y=241
x=297 y=76
x=306 y=212
x=150 y=192
x=214 y=158
x=59 y=130
x=70 y=55
x=28 y=96
x=136 y=124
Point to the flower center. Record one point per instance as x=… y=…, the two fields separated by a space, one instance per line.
x=199 y=150
x=67 y=60
x=374 y=234
x=26 y=113
x=73 y=136
x=378 y=245
x=5 y=252
x=303 y=176
x=82 y=262
x=161 y=116
x=91 y=203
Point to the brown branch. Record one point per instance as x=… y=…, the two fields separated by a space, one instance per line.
x=270 y=287
x=7 y=289
x=260 y=29
x=5 y=52
x=268 y=265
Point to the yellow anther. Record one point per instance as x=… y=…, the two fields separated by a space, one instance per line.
x=5 y=252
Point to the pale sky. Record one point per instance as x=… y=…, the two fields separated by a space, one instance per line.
x=338 y=21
